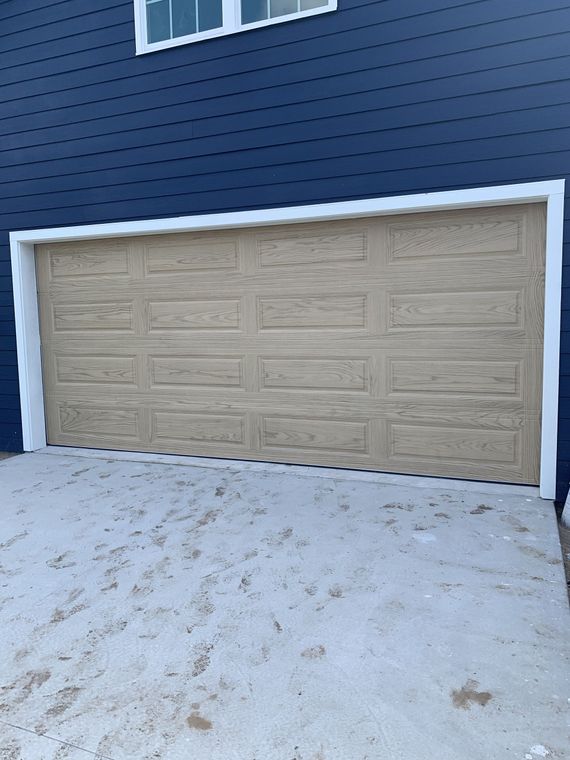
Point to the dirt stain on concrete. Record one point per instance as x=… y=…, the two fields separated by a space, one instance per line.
x=65 y=699
x=10 y=541
x=481 y=509
x=33 y=679
x=59 y=615
x=61 y=562
x=13 y=751
x=197 y=722
x=202 y=662
x=265 y=653
x=245 y=582
x=530 y=551
x=516 y=525
x=468 y=695
x=208 y=518
x=314 y=653
x=399 y=505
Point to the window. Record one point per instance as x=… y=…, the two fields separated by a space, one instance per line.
x=165 y=23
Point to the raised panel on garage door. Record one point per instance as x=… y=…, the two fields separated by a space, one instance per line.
x=406 y=344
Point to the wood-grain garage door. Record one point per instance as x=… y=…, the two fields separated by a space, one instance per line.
x=407 y=344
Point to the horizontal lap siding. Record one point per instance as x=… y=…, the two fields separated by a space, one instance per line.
x=379 y=98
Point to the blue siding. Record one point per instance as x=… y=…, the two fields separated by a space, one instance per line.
x=379 y=98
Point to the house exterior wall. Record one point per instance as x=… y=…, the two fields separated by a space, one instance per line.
x=377 y=99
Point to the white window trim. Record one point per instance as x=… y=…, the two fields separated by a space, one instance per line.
x=552 y=192
x=232 y=25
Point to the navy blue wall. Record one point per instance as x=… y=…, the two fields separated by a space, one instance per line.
x=379 y=98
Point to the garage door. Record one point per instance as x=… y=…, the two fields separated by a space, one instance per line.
x=407 y=344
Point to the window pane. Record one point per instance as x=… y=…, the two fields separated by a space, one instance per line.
x=306 y=5
x=253 y=10
x=209 y=14
x=157 y=20
x=283 y=7
x=183 y=17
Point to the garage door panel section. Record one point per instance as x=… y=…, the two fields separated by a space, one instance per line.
x=405 y=344
x=94 y=317
x=496 y=445
x=455 y=377
x=465 y=444
x=464 y=376
x=81 y=260
x=94 y=423
x=323 y=246
x=471 y=237
x=426 y=239
x=317 y=433
x=171 y=426
x=449 y=309
x=493 y=453
x=95 y=369
x=170 y=256
x=312 y=312
x=193 y=314
x=191 y=371
x=288 y=373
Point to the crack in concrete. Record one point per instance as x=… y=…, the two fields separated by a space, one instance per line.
x=96 y=755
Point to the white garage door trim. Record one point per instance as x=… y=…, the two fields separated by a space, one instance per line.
x=552 y=192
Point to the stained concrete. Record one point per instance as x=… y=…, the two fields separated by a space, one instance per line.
x=156 y=610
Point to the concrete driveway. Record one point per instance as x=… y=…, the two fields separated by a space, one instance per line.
x=221 y=612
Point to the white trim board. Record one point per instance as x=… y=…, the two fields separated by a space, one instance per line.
x=551 y=192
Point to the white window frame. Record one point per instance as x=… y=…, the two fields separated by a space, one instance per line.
x=231 y=25
x=551 y=191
